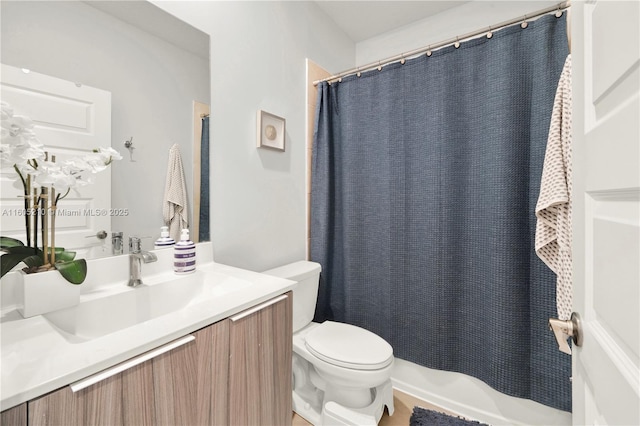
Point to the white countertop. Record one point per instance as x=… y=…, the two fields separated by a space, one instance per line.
x=37 y=358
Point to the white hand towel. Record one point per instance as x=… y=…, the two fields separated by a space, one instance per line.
x=174 y=207
x=553 y=210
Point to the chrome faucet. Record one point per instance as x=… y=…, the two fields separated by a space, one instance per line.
x=136 y=258
x=116 y=242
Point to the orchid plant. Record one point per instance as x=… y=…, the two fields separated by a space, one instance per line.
x=44 y=182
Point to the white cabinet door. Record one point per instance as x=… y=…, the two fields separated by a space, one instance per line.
x=606 y=84
x=70 y=119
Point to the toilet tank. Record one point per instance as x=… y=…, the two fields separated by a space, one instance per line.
x=305 y=294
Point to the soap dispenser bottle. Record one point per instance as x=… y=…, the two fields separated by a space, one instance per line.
x=184 y=257
x=165 y=240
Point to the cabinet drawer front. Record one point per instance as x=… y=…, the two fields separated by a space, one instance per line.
x=257 y=308
x=105 y=374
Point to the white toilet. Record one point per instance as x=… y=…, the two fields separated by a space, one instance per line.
x=341 y=373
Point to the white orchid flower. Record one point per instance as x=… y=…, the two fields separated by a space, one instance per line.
x=19 y=143
x=26 y=169
x=32 y=150
x=7 y=110
x=108 y=154
x=21 y=153
x=95 y=162
x=6 y=156
x=17 y=130
x=82 y=180
x=54 y=175
x=77 y=164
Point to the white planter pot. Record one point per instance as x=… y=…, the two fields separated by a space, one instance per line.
x=45 y=292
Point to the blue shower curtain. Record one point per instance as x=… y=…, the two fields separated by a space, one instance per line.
x=203 y=220
x=425 y=178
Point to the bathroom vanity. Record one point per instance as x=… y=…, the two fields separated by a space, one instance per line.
x=222 y=359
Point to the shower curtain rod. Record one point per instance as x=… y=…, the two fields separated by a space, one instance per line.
x=558 y=8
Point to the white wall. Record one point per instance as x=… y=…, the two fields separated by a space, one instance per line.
x=153 y=85
x=258 y=52
x=463 y=19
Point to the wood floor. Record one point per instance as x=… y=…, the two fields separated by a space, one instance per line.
x=403 y=407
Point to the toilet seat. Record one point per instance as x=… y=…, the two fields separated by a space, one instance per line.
x=349 y=346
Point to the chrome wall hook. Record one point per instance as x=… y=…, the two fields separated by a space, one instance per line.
x=129 y=145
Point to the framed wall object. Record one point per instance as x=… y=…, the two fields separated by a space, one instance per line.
x=270 y=131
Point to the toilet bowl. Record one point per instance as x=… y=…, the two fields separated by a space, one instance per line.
x=341 y=372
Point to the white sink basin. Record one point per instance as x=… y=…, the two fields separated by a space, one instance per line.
x=122 y=306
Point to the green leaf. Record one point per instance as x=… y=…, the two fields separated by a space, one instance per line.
x=65 y=255
x=33 y=261
x=9 y=261
x=74 y=271
x=27 y=251
x=57 y=250
x=6 y=242
x=62 y=254
x=15 y=255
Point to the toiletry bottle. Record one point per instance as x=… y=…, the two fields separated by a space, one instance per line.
x=184 y=257
x=165 y=240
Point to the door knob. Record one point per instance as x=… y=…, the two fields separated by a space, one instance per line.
x=565 y=329
x=101 y=235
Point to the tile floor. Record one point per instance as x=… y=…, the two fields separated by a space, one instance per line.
x=403 y=407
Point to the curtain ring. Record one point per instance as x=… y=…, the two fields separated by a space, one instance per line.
x=457 y=43
x=489 y=34
x=340 y=80
x=558 y=12
x=358 y=73
x=524 y=23
x=379 y=66
x=402 y=61
x=429 y=52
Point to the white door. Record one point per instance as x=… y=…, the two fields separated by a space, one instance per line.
x=606 y=126
x=70 y=119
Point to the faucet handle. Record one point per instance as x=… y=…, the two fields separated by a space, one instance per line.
x=135 y=244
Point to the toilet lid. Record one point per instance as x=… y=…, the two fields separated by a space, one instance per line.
x=349 y=346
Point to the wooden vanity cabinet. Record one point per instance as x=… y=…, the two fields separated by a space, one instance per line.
x=260 y=362
x=177 y=387
x=14 y=416
x=235 y=372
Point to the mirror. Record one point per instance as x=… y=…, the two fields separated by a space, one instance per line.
x=157 y=70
